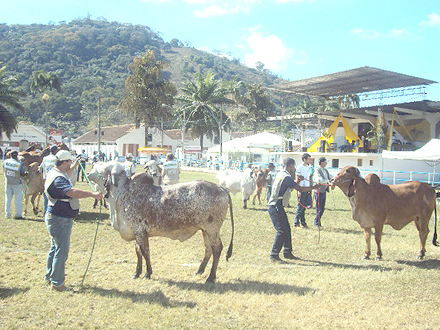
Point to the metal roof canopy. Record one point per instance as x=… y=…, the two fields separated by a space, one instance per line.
x=360 y=80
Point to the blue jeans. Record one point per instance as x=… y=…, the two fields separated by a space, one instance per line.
x=268 y=192
x=10 y=191
x=59 y=229
x=306 y=200
x=283 y=237
x=320 y=206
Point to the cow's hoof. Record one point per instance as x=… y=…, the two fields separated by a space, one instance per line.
x=420 y=257
x=147 y=276
x=378 y=258
x=135 y=276
x=365 y=258
x=210 y=280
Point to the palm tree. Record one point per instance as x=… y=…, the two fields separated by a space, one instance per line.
x=42 y=80
x=257 y=105
x=202 y=99
x=9 y=98
x=349 y=101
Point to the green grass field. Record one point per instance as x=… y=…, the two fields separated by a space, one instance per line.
x=330 y=287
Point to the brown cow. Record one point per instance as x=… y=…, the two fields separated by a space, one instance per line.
x=33 y=185
x=374 y=204
x=261 y=183
x=140 y=210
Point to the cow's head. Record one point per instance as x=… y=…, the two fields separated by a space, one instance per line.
x=152 y=168
x=106 y=174
x=346 y=180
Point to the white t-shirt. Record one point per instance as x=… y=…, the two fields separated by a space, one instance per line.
x=305 y=172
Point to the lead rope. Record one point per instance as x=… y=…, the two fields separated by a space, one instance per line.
x=97 y=226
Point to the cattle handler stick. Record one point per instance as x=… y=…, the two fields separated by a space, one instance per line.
x=97 y=226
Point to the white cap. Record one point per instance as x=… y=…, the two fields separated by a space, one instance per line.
x=64 y=155
x=129 y=155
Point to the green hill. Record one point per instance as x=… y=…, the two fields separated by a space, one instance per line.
x=91 y=58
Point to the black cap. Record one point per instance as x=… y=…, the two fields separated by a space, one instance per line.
x=54 y=148
x=322 y=159
x=271 y=165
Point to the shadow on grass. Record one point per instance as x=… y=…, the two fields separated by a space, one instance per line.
x=156 y=297
x=32 y=219
x=422 y=264
x=91 y=216
x=242 y=287
x=348 y=266
x=8 y=292
x=256 y=209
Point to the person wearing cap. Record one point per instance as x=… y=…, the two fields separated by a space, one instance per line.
x=323 y=177
x=13 y=170
x=304 y=177
x=270 y=179
x=279 y=198
x=171 y=170
x=63 y=207
x=129 y=166
x=46 y=165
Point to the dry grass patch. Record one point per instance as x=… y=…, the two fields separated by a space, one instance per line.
x=329 y=288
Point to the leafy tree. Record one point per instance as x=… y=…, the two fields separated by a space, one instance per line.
x=9 y=98
x=257 y=106
x=148 y=95
x=203 y=98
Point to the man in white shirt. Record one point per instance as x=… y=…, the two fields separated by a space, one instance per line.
x=130 y=168
x=46 y=165
x=303 y=177
x=321 y=176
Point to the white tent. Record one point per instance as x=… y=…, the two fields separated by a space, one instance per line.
x=264 y=140
x=429 y=152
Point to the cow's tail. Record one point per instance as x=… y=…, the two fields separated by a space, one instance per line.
x=229 y=253
x=434 y=237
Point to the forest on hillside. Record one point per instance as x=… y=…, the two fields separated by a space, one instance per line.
x=91 y=59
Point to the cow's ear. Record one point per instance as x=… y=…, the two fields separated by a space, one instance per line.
x=351 y=189
x=357 y=173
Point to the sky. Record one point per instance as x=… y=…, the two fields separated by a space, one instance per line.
x=296 y=39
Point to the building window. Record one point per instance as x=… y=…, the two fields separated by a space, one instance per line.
x=335 y=163
x=371 y=162
x=359 y=162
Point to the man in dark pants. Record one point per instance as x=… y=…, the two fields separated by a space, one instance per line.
x=321 y=176
x=279 y=198
x=62 y=208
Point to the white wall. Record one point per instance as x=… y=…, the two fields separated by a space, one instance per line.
x=29 y=133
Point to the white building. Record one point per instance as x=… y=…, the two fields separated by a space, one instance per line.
x=23 y=137
x=123 y=139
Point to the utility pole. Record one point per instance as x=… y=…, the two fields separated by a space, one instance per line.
x=99 y=127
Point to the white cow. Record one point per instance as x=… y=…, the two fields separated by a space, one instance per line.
x=236 y=181
x=152 y=168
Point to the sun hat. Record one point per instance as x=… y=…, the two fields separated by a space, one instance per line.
x=64 y=155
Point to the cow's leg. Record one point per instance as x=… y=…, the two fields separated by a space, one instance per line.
x=217 y=248
x=144 y=246
x=208 y=253
x=245 y=202
x=26 y=201
x=38 y=202
x=34 y=208
x=139 y=261
x=377 y=237
x=422 y=227
x=255 y=196
x=367 y=235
